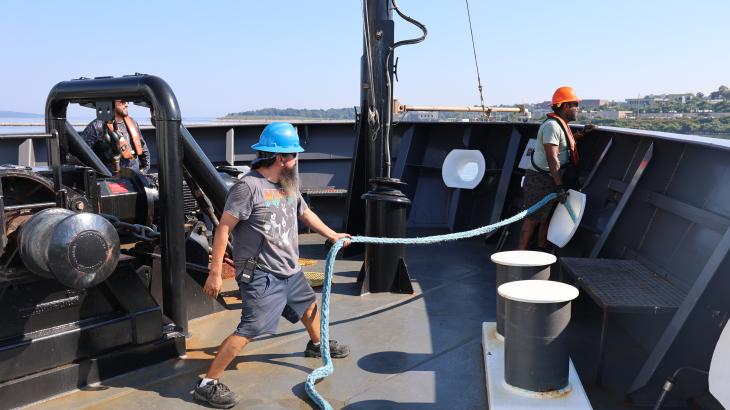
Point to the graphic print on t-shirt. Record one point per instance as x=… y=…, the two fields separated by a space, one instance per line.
x=281 y=229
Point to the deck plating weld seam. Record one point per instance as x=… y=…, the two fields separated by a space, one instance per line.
x=327 y=369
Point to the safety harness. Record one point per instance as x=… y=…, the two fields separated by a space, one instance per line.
x=127 y=152
x=572 y=150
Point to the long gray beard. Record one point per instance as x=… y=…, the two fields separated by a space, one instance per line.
x=289 y=180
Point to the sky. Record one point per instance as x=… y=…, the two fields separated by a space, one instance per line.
x=230 y=56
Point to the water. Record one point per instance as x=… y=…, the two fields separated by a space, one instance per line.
x=19 y=129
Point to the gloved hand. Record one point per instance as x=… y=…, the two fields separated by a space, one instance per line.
x=562 y=194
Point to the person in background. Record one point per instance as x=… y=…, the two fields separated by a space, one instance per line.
x=555 y=159
x=133 y=149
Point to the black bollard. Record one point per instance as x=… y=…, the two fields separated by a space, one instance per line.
x=384 y=268
x=519 y=265
x=537 y=313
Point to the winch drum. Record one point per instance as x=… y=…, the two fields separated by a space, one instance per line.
x=80 y=250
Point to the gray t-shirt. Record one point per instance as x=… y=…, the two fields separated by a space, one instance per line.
x=550 y=133
x=268 y=220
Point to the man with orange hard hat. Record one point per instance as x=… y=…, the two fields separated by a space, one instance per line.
x=555 y=160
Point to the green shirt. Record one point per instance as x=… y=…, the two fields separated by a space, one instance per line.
x=550 y=133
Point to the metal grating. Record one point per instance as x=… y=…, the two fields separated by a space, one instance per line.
x=190 y=205
x=621 y=284
x=325 y=191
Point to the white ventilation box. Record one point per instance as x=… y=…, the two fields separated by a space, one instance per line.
x=463 y=168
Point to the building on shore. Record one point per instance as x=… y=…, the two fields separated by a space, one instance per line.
x=588 y=104
x=607 y=114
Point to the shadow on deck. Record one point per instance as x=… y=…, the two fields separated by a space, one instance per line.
x=408 y=351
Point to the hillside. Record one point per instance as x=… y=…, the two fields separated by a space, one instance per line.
x=293 y=114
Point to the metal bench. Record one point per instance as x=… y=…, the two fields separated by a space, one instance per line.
x=323 y=191
x=622 y=286
x=326 y=198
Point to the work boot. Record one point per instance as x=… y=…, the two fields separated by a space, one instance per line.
x=215 y=394
x=337 y=351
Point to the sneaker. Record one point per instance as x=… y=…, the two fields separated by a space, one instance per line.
x=337 y=351
x=215 y=394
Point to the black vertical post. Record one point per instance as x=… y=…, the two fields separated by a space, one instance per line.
x=3 y=233
x=169 y=158
x=384 y=268
x=368 y=151
x=55 y=161
x=380 y=31
x=372 y=159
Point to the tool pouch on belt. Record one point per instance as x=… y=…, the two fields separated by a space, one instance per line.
x=249 y=265
x=246 y=274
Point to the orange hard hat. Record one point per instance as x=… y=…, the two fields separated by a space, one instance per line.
x=563 y=95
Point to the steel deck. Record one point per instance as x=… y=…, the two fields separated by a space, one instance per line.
x=408 y=351
x=422 y=350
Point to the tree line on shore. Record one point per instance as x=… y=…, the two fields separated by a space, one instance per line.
x=700 y=104
x=295 y=113
x=698 y=125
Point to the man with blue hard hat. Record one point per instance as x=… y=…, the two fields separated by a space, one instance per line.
x=261 y=213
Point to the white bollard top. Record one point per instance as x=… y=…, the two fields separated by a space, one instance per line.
x=524 y=258
x=538 y=291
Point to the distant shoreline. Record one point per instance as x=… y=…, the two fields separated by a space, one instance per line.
x=717 y=127
x=31 y=124
x=16 y=114
x=261 y=118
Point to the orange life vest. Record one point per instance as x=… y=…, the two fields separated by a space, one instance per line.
x=573 y=150
x=133 y=131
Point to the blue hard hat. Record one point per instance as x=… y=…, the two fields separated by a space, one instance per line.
x=279 y=137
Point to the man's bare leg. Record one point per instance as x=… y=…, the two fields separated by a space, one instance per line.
x=542 y=234
x=229 y=349
x=310 y=320
x=528 y=227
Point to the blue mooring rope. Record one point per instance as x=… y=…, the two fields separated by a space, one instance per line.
x=571 y=212
x=328 y=369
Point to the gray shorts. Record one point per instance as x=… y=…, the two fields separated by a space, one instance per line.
x=267 y=297
x=537 y=185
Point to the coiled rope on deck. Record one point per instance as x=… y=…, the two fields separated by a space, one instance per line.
x=328 y=369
